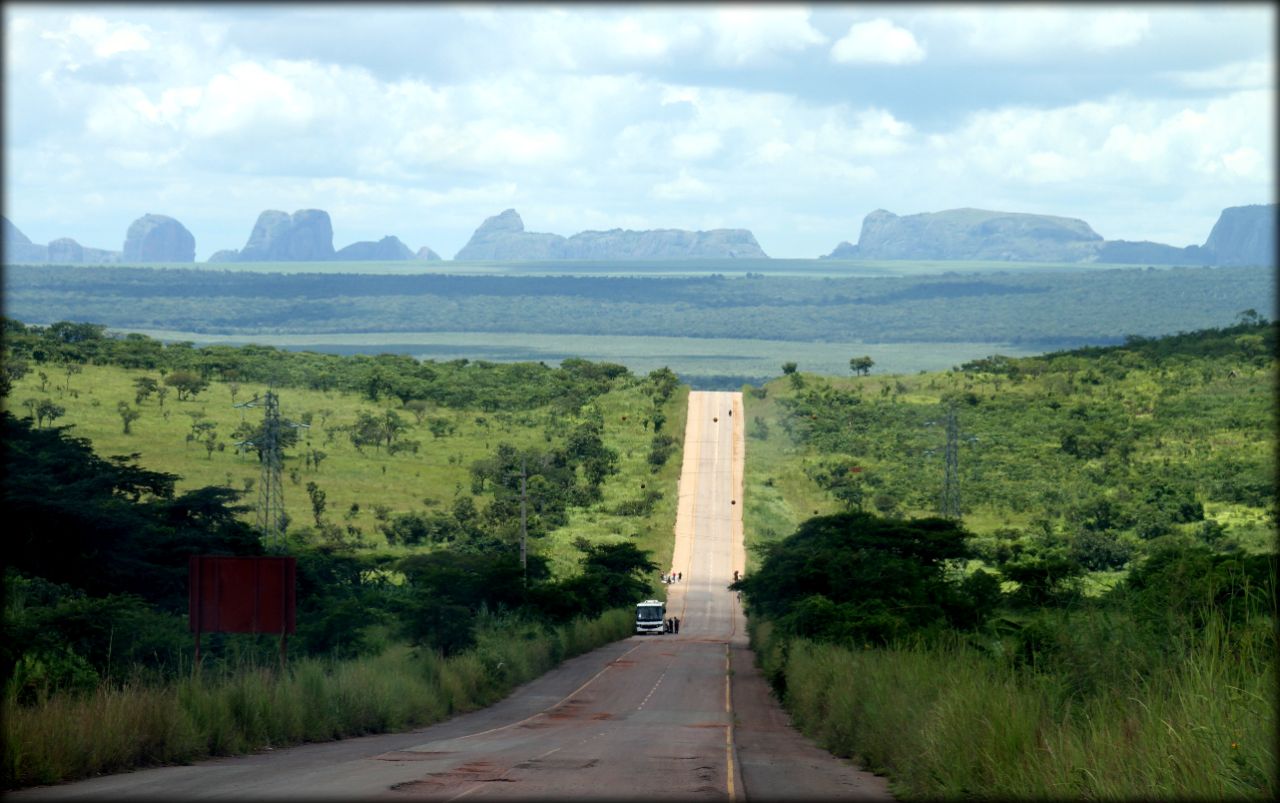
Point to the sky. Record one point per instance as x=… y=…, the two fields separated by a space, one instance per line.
x=793 y=121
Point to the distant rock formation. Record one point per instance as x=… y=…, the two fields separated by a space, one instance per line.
x=384 y=250
x=845 y=250
x=225 y=255
x=18 y=248
x=1244 y=235
x=972 y=234
x=1127 y=252
x=304 y=236
x=158 y=238
x=503 y=237
x=65 y=251
x=427 y=255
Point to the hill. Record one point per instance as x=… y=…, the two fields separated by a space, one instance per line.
x=1243 y=235
x=502 y=237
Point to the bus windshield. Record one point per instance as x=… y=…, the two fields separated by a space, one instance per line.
x=648 y=613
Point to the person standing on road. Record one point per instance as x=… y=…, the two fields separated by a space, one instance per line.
x=675 y=622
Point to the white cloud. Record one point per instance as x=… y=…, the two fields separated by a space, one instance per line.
x=684 y=188
x=745 y=35
x=1035 y=32
x=695 y=145
x=877 y=41
x=1255 y=74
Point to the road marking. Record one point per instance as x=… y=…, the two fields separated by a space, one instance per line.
x=655 y=688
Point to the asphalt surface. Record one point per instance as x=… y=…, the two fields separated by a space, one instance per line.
x=671 y=717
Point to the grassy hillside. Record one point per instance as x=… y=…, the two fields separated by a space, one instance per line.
x=1103 y=612
x=364 y=487
x=1157 y=438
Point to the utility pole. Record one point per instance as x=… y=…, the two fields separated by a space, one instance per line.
x=950 y=503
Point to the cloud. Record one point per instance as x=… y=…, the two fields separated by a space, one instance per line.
x=684 y=188
x=1036 y=32
x=1255 y=74
x=746 y=35
x=878 y=41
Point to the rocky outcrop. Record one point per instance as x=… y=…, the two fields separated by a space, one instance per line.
x=385 y=250
x=1127 y=252
x=65 y=251
x=663 y=244
x=503 y=237
x=18 y=248
x=1244 y=235
x=845 y=250
x=158 y=238
x=427 y=255
x=304 y=236
x=225 y=255
x=977 y=234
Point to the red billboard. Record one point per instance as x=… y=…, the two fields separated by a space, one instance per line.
x=241 y=595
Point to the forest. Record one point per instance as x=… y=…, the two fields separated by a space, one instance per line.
x=1104 y=598
x=1052 y=308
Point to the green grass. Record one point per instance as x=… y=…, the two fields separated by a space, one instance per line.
x=951 y=722
x=117 y=728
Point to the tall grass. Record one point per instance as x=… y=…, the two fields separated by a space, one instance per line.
x=115 y=728
x=952 y=721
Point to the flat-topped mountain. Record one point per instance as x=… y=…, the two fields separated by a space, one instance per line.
x=1243 y=235
x=502 y=237
x=972 y=234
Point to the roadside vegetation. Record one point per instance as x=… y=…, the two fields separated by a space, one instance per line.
x=124 y=456
x=1101 y=620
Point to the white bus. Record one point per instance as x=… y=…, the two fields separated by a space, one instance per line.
x=651 y=617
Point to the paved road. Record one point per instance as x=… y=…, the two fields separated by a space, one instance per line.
x=673 y=717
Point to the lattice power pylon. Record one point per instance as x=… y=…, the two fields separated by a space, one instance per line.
x=949 y=507
x=271 y=516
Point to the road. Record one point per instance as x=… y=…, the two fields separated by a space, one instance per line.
x=674 y=717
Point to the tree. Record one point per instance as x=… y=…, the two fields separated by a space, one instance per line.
x=13 y=371
x=861 y=365
x=418 y=407
x=857 y=577
x=70 y=368
x=317 y=497
x=187 y=383
x=127 y=415
x=144 y=386
x=789 y=368
x=46 y=410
